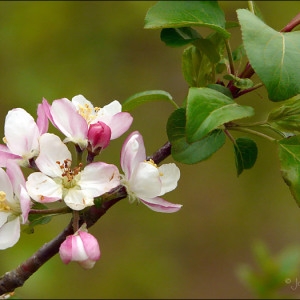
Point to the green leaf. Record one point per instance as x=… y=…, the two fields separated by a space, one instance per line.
x=220 y=88
x=191 y=153
x=287 y=116
x=174 y=14
x=273 y=55
x=207 y=109
x=289 y=155
x=196 y=67
x=144 y=97
x=177 y=37
x=245 y=151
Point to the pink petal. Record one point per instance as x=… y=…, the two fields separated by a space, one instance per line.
x=16 y=176
x=118 y=123
x=68 y=120
x=160 y=205
x=42 y=116
x=5 y=155
x=65 y=250
x=133 y=152
x=90 y=244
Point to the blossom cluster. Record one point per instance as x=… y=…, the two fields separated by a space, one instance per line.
x=54 y=175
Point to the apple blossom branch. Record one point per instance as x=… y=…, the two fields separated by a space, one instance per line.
x=17 y=277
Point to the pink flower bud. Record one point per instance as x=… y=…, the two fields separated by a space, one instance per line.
x=99 y=135
x=81 y=247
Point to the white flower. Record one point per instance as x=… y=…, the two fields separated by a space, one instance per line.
x=14 y=204
x=57 y=178
x=21 y=136
x=73 y=118
x=144 y=180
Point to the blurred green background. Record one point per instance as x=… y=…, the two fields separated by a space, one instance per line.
x=57 y=49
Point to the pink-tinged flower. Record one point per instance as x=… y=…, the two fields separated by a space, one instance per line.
x=74 y=118
x=144 y=180
x=57 y=179
x=14 y=204
x=21 y=136
x=81 y=247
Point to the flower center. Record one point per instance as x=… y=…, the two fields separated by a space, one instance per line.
x=3 y=202
x=88 y=112
x=69 y=175
x=152 y=163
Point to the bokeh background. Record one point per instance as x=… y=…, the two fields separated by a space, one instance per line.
x=57 y=49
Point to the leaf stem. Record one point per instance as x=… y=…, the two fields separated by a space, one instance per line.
x=251 y=131
x=229 y=54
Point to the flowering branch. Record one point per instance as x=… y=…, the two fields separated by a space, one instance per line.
x=17 y=277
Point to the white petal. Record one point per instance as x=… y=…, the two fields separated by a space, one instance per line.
x=3 y=217
x=133 y=152
x=145 y=181
x=21 y=132
x=80 y=101
x=42 y=188
x=78 y=200
x=6 y=186
x=98 y=178
x=111 y=109
x=169 y=176
x=160 y=205
x=52 y=150
x=68 y=120
x=10 y=233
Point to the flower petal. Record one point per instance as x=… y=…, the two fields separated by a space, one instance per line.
x=69 y=121
x=21 y=132
x=118 y=123
x=78 y=199
x=169 y=176
x=42 y=188
x=98 y=178
x=16 y=176
x=10 y=233
x=6 y=154
x=160 y=205
x=133 y=152
x=42 y=120
x=6 y=186
x=145 y=181
x=90 y=244
x=52 y=150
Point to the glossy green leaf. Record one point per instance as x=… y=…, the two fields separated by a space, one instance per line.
x=177 y=37
x=289 y=154
x=245 y=151
x=144 y=97
x=174 y=14
x=286 y=117
x=207 y=109
x=191 y=153
x=220 y=88
x=273 y=55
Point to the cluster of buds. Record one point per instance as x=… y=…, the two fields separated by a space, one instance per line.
x=55 y=176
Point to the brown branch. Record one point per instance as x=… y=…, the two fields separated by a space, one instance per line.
x=17 y=277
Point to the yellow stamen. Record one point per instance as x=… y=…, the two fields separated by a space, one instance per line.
x=3 y=202
x=88 y=112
